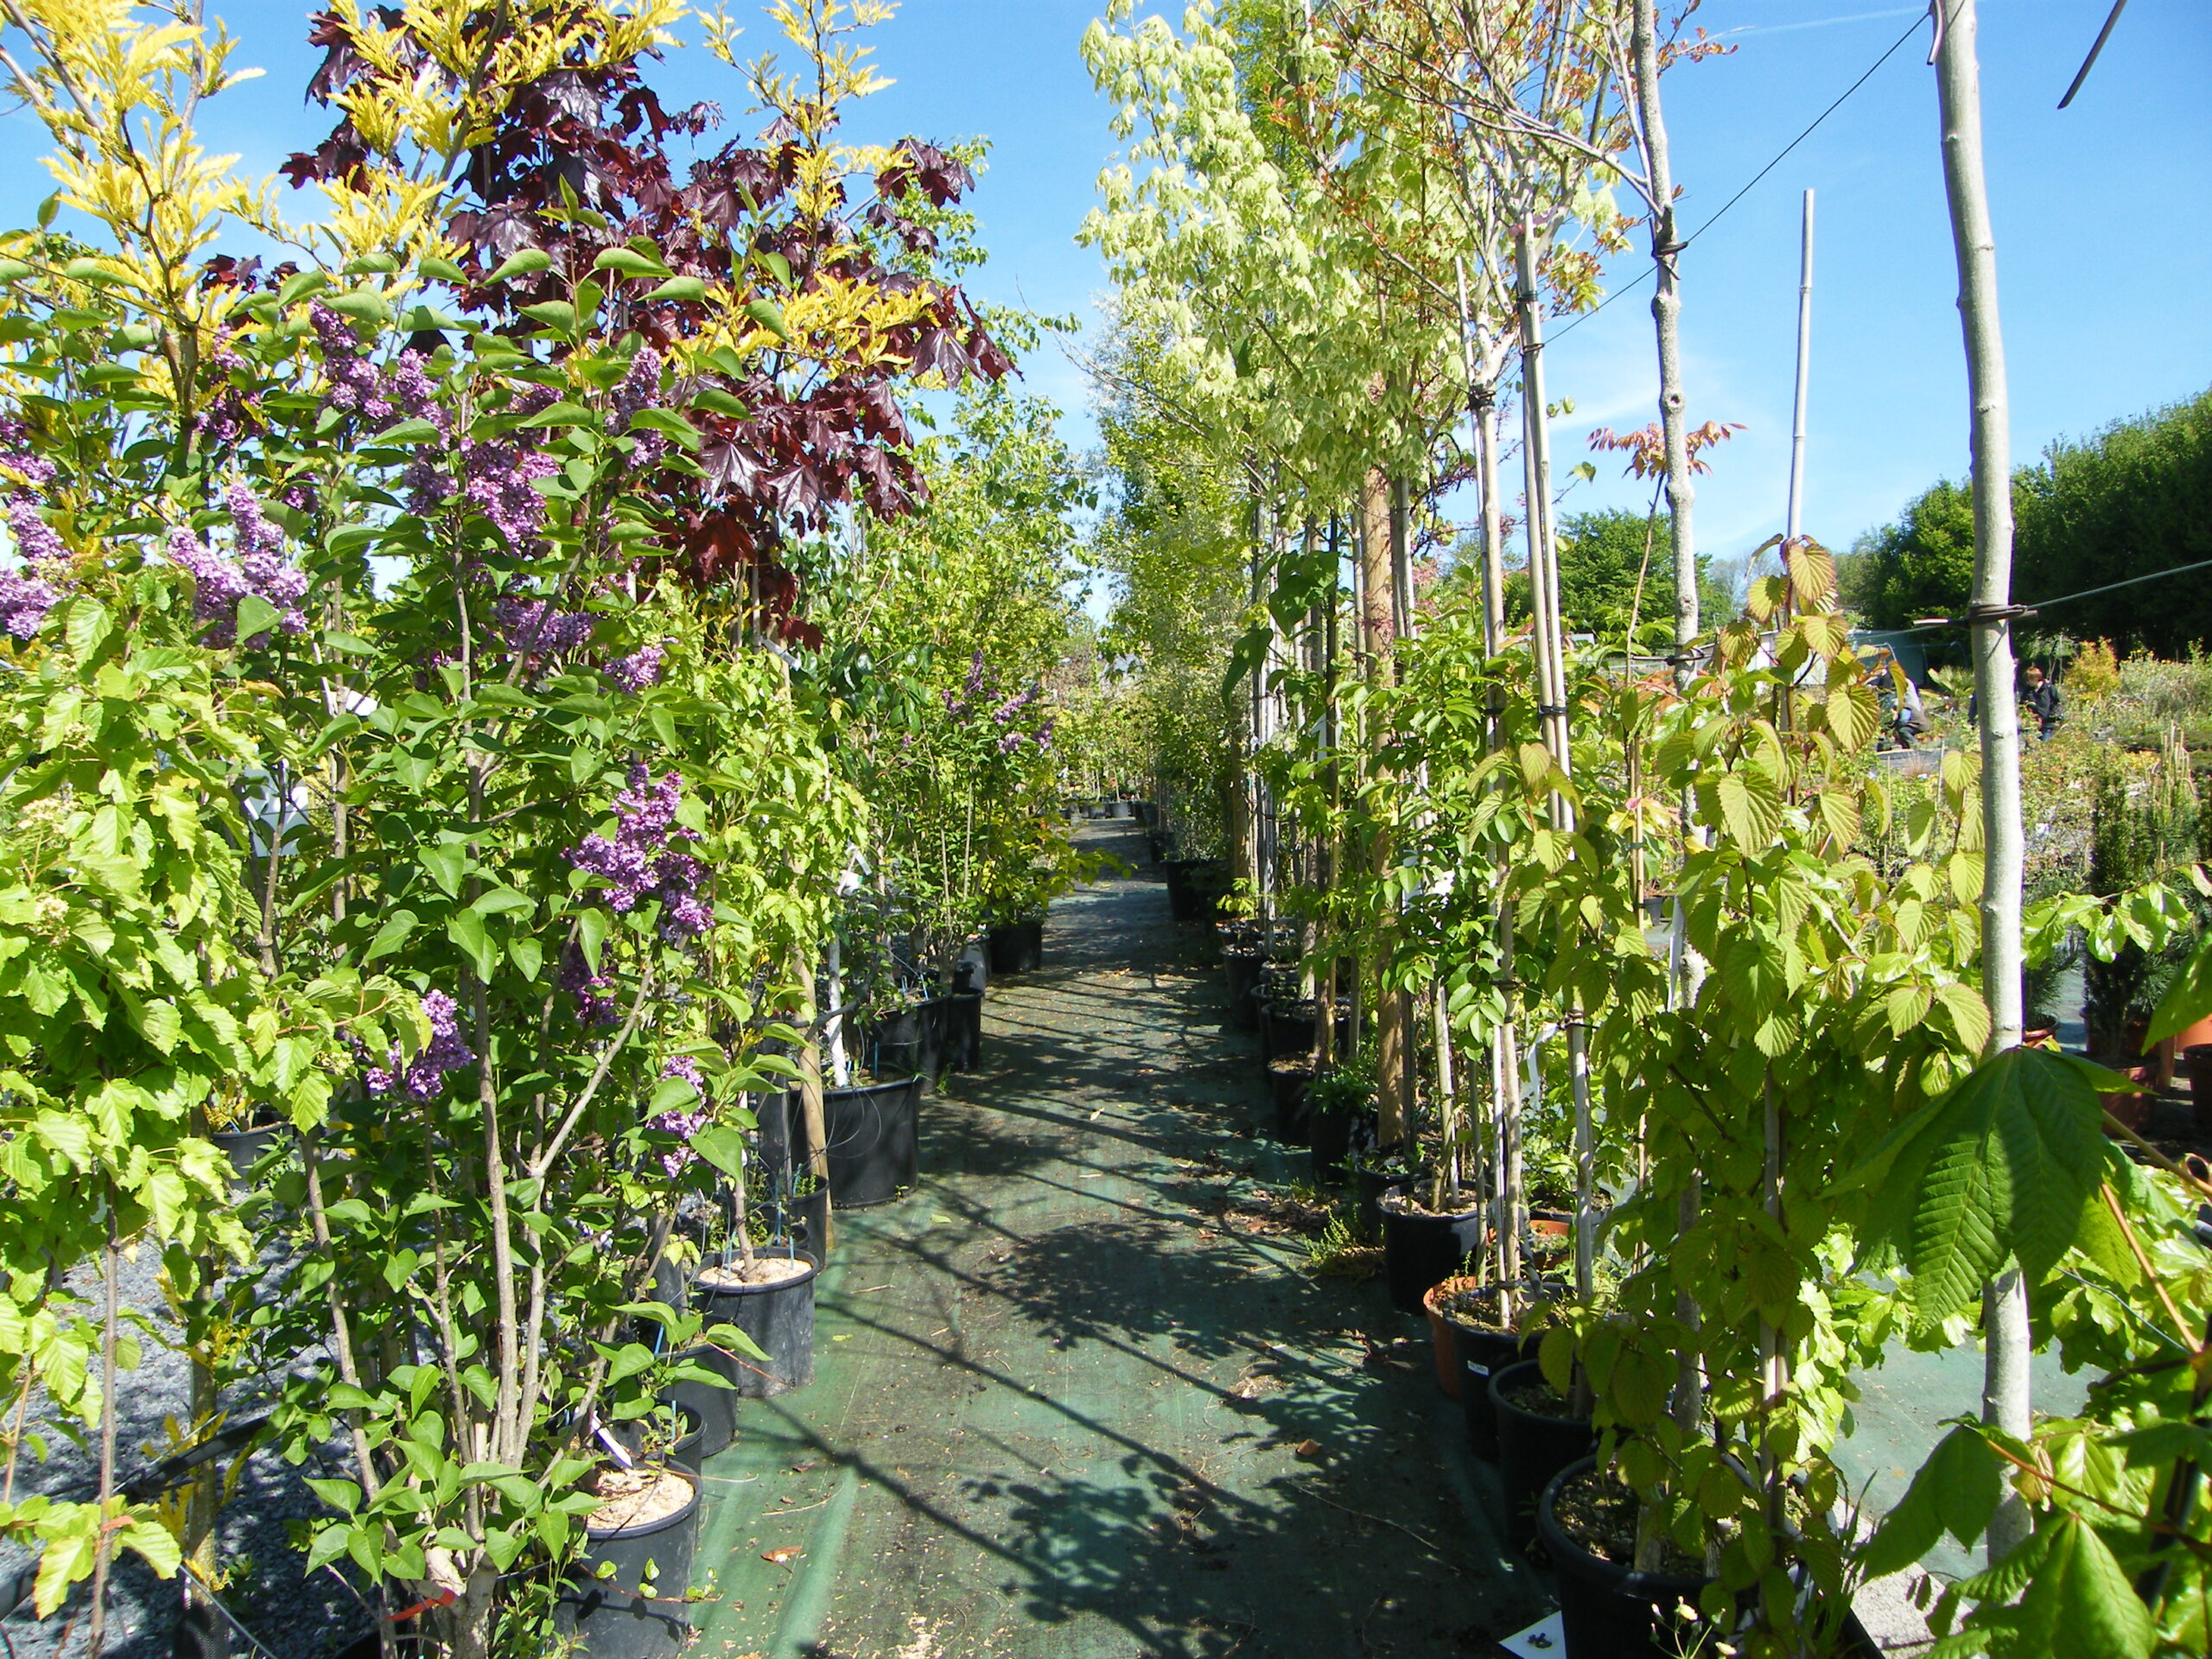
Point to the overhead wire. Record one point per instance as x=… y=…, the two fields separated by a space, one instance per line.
x=1631 y=286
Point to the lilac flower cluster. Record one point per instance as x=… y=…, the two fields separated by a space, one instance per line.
x=638 y=671
x=682 y=1124
x=355 y=386
x=640 y=389
x=534 y=625
x=423 y=1078
x=27 y=594
x=219 y=584
x=593 y=1008
x=638 y=864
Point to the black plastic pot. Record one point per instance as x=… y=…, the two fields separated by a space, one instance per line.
x=608 y=1616
x=961 y=1017
x=873 y=1148
x=1017 y=947
x=910 y=1043
x=1420 y=1250
x=684 y=1454
x=1329 y=1132
x=1287 y=1027
x=1483 y=1352
x=778 y=1316
x=803 y=1221
x=1369 y=1184
x=1531 y=1449
x=1607 y=1611
x=715 y=1408
x=246 y=1147
x=974 y=970
x=1243 y=967
x=1122 y=810
x=1290 y=1085
x=782 y=1132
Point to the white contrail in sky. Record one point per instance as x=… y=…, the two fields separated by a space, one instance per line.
x=1817 y=23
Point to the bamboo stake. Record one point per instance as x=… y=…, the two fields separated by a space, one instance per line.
x=2004 y=1396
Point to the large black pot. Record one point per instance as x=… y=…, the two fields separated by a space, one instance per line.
x=1330 y=1131
x=1289 y=1084
x=974 y=970
x=961 y=1017
x=687 y=1452
x=1483 y=1352
x=803 y=1221
x=1369 y=1182
x=1243 y=967
x=1531 y=1449
x=715 y=1409
x=1287 y=1028
x=873 y=1150
x=608 y=1616
x=778 y=1316
x=247 y=1147
x=910 y=1043
x=1420 y=1250
x=782 y=1132
x=1017 y=947
x=1607 y=1611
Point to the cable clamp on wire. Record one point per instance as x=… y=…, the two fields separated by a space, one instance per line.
x=1977 y=614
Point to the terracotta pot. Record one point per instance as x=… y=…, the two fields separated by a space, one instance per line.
x=2133 y=1109
x=2194 y=1036
x=1440 y=1333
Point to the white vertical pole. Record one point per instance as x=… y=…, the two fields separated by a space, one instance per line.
x=1804 y=377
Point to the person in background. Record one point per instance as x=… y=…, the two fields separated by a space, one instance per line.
x=2041 y=699
x=1912 y=723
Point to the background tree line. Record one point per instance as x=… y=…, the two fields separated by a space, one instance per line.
x=2135 y=499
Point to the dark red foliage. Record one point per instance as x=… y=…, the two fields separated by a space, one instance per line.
x=817 y=433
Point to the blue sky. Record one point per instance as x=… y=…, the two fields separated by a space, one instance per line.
x=2104 y=237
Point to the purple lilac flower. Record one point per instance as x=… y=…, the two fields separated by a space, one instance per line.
x=423 y=1078
x=640 y=389
x=639 y=865
x=1013 y=705
x=35 y=470
x=1045 y=732
x=975 y=683
x=576 y=978
x=24 y=601
x=1010 y=742
x=532 y=624
x=355 y=387
x=261 y=548
x=682 y=1124
x=638 y=671
x=497 y=475
x=36 y=540
x=414 y=394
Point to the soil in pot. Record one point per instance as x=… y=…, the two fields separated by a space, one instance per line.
x=627 y=1601
x=1608 y=1610
x=1017 y=947
x=874 y=1146
x=1538 y=1435
x=1421 y=1247
x=772 y=1300
x=1286 y=1082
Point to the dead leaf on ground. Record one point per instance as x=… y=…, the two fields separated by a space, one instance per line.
x=780 y=1556
x=1308 y=1450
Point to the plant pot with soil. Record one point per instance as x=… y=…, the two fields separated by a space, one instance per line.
x=962 y=1015
x=1587 y=1522
x=713 y=1404
x=2134 y=1108
x=2196 y=1060
x=1017 y=947
x=672 y=1432
x=771 y=1299
x=1243 y=966
x=628 y=1596
x=1484 y=1343
x=1443 y=1347
x=1538 y=1434
x=874 y=1140
x=1422 y=1247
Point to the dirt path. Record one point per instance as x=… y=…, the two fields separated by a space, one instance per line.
x=1074 y=1397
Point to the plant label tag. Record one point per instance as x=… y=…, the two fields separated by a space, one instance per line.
x=1545 y=1639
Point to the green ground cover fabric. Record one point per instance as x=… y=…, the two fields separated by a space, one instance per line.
x=1074 y=1395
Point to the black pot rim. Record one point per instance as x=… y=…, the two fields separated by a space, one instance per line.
x=1498 y=1383
x=667 y=1522
x=813 y=1268
x=874 y=1088
x=1396 y=1202
x=1623 y=1581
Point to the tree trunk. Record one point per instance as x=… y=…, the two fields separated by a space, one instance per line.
x=2005 y=1403
x=1667 y=311
x=1378 y=635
